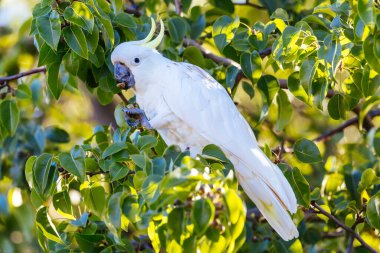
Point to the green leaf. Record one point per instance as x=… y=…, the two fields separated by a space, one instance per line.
x=117 y=6
x=280 y=14
x=57 y=135
x=114 y=211
x=365 y=83
x=368 y=179
x=54 y=84
x=285 y=110
x=366 y=107
x=297 y=89
x=231 y=75
x=224 y=5
x=76 y=40
x=150 y=191
x=120 y=117
x=213 y=151
x=306 y=151
x=333 y=183
x=369 y=54
x=373 y=211
x=234 y=205
x=62 y=203
x=113 y=149
x=376 y=142
x=93 y=41
x=194 y=56
x=24 y=92
x=125 y=20
x=89 y=243
x=251 y=65
x=306 y=75
x=299 y=185
x=268 y=86
x=74 y=162
x=49 y=28
x=46 y=226
x=9 y=116
x=104 y=97
x=118 y=171
x=176 y=223
x=202 y=214
x=248 y=88
x=223 y=31
x=29 y=170
x=177 y=29
x=79 y=14
x=337 y=107
x=44 y=175
x=366 y=12
x=95 y=198
x=47 y=55
x=146 y=141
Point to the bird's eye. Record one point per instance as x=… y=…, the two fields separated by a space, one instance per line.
x=137 y=60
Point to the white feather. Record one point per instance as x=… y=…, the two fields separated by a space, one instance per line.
x=191 y=109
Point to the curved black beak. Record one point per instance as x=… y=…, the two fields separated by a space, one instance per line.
x=124 y=75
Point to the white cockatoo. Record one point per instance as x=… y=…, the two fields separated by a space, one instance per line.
x=189 y=108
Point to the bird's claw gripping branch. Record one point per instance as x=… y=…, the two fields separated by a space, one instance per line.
x=136 y=116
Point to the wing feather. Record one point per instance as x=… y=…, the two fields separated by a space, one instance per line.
x=204 y=104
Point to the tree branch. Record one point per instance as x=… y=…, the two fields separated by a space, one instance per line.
x=346 y=124
x=178 y=6
x=4 y=80
x=342 y=225
x=123 y=98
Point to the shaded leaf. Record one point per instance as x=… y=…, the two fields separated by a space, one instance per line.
x=306 y=151
x=74 y=162
x=76 y=40
x=49 y=28
x=299 y=185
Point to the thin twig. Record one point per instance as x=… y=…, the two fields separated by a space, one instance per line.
x=343 y=126
x=22 y=74
x=342 y=225
x=178 y=6
x=123 y=98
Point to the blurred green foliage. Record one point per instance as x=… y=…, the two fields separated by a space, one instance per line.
x=296 y=69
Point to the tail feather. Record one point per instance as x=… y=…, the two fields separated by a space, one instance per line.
x=270 y=205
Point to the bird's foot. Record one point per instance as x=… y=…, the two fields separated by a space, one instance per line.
x=135 y=117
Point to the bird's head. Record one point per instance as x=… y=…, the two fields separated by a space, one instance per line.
x=134 y=59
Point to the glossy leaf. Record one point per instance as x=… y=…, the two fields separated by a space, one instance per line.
x=177 y=28
x=46 y=226
x=57 y=135
x=366 y=12
x=307 y=152
x=125 y=20
x=76 y=40
x=9 y=116
x=337 y=107
x=194 y=56
x=373 y=210
x=74 y=162
x=202 y=214
x=285 y=110
x=49 y=28
x=299 y=185
x=79 y=14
